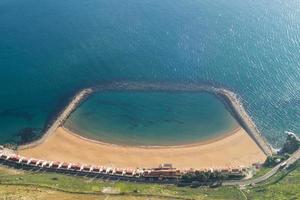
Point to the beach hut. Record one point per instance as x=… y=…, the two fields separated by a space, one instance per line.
x=40 y=163
x=102 y=169
x=24 y=160
x=14 y=158
x=128 y=172
x=55 y=164
x=86 y=168
x=33 y=162
x=64 y=165
x=44 y=163
x=96 y=169
x=75 y=167
x=108 y=170
x=118 y=171
x=47 y=164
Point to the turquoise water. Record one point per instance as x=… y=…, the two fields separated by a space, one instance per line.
x=50 y=48
x=151 y=118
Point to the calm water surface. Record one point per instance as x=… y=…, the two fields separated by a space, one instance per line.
x=50 y=48
x=151 y=118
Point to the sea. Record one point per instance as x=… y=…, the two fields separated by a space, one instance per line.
x=50 y=49
x=150 y=118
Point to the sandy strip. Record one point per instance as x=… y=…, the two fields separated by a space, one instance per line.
x=237 y=149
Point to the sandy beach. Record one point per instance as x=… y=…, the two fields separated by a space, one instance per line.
x=234 y=149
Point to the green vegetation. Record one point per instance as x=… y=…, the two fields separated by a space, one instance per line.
x=212 y=179
x=262 y=171
x=15 y=184
x=271 y=161
x=80 y=185
x=203 y=176
x=284 y=185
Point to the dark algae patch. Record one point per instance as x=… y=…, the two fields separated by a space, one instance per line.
x=27 y=135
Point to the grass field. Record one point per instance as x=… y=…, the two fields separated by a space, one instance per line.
x=284 y=185
x=16 y=184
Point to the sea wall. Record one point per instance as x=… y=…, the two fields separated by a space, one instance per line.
x=230 y=98
x=61 y=117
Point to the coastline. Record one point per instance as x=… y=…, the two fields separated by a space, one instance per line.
x=248 y=132
x=202 y=142
x=61 y=118
x=231 y=99
x=228 y=151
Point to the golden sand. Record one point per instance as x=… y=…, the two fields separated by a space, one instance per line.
x=236 y=149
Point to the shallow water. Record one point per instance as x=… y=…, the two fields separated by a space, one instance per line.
x=50 y=48
x=151 y=118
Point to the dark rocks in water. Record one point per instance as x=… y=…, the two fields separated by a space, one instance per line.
x=10 y=145
x=28 y=134
x=291 y=144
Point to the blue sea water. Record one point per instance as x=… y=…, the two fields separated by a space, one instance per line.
x=50 y=48
x=151 y=118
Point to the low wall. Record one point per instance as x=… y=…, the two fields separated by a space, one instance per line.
x=235 y=106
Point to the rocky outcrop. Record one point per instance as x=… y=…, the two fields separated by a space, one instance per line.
x=291 y=144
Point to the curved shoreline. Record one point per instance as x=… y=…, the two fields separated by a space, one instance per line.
x=62 y=117
x=204 y=142
x=230 y=98
x=234 y=150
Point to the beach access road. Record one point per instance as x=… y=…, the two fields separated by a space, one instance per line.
x=291 y=160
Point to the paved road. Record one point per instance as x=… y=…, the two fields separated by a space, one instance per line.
x=294 y=157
